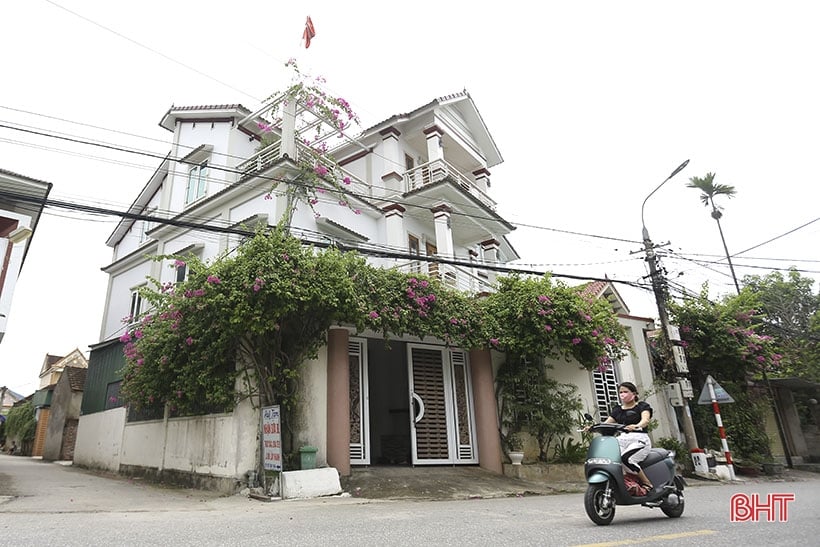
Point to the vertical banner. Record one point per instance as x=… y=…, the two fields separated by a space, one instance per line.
x=271 y=438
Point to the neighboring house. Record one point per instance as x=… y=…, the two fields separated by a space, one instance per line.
x=421 y=182
x=21 y=203
x=53 y=369
x=636 y=368
x=54 y=365
x=64 y=414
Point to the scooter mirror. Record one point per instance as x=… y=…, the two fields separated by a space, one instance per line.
x=588 y=417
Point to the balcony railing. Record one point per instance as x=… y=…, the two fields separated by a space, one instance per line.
x=463 y=279
x=261 y=160
x=438 y=170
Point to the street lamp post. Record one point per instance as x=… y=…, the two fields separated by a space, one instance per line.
x=659 y=288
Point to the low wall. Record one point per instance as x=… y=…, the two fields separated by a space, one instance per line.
x=213 y=452
x=99 y=440
x=546 y=472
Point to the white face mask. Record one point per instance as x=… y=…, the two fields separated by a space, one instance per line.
x=627 y=396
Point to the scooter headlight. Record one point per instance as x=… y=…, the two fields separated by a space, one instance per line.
x=599 y=461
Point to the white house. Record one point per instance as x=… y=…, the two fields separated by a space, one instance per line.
x=420 y=187
x=21 y=202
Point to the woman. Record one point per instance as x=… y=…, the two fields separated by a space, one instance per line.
x=635 y=443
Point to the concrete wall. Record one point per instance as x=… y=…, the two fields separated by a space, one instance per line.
x=99 y=440
x=222 y=446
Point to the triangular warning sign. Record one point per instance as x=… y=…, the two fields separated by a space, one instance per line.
x=720 y=394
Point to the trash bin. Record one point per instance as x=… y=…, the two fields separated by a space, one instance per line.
x=308 y=454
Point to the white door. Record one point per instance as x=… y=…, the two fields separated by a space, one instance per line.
x=442 y=425
x=359 y=402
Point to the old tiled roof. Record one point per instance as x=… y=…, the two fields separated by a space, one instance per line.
x=76 y=377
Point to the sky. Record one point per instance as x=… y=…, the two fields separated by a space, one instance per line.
x=592 y=105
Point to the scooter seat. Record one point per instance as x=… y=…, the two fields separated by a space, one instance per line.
x=655 y=455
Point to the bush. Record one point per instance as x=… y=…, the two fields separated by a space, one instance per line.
x=680 y=450
x=20 y=423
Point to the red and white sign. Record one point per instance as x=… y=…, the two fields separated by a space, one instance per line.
x=272 y=438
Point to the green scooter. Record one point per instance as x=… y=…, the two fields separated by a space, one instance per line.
x=605 y=475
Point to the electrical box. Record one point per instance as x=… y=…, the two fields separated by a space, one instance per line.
x=674 y=394
x=686 y=388
x=680 y=359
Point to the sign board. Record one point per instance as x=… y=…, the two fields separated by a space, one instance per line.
x=720 y=394
x=272 y=438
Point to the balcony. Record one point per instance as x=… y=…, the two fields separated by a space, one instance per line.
x=467 y=280
x=260 y=161
x=438 y=170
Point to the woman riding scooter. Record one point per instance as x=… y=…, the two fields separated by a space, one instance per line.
x=635 y=443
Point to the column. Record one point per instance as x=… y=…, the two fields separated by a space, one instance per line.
x=288 y=147
x=338 y=401
x=491 y=256
x=393 y=160
x=482 y=179
x=444 y=230
x=394 y=224
x=435 y=152
x=486 y=411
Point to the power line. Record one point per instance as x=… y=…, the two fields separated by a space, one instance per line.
x=358 y=196
x=152 y=50
x=374 y=252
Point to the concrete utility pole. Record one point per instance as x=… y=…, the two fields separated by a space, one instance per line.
x=670 y=335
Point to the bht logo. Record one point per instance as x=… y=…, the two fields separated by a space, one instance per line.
x=748 y=507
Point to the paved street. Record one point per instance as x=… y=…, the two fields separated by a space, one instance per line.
x=48 y=504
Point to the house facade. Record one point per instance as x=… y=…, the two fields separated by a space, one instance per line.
x=419 y=201
x=21 y=202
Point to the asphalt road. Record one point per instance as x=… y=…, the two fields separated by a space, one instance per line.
x=49 y=504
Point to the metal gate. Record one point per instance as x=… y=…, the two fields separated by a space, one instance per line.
x=441 y=401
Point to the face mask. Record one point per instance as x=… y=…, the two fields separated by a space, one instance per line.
x=627 y=396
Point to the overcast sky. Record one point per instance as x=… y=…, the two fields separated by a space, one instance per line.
x=592 y=105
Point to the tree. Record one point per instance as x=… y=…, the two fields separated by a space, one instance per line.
x=709 y=190
x=787 y=310
x=723 y=339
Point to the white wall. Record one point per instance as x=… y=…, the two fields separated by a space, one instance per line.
x=99 y=440
x=312 y=421
x=119 y=304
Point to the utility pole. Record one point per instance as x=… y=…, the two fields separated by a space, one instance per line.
x=676 y=362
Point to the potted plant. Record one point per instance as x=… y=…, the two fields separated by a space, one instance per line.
x=516 y=448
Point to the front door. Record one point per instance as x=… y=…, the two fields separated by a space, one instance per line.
x=442 y=425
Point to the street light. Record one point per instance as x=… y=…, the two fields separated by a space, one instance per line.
x=658 y=287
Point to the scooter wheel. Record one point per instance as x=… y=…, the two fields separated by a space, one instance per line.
x=599 y=510
x=675 y=511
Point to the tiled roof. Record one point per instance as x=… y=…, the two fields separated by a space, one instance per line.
x=212 y=107
x=76 y=377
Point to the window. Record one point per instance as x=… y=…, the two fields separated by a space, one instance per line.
x=136 y=306
x=605 y=385
x=146 y=225
x=181 y=271
x=197 y=178
x=112 y=395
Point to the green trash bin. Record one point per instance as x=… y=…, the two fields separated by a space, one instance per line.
x=308 y=454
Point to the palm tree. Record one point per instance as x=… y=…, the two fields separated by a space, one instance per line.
x=709 y=190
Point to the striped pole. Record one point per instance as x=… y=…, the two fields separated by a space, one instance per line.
x=724 y=444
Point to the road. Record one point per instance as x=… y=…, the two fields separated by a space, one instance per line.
x=49 y=504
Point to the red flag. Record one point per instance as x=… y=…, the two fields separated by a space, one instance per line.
x=309 y=32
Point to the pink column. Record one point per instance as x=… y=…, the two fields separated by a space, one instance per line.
x=486 y=411
x=338 y=401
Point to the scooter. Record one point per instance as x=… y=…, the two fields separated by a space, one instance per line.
x=605 y=475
